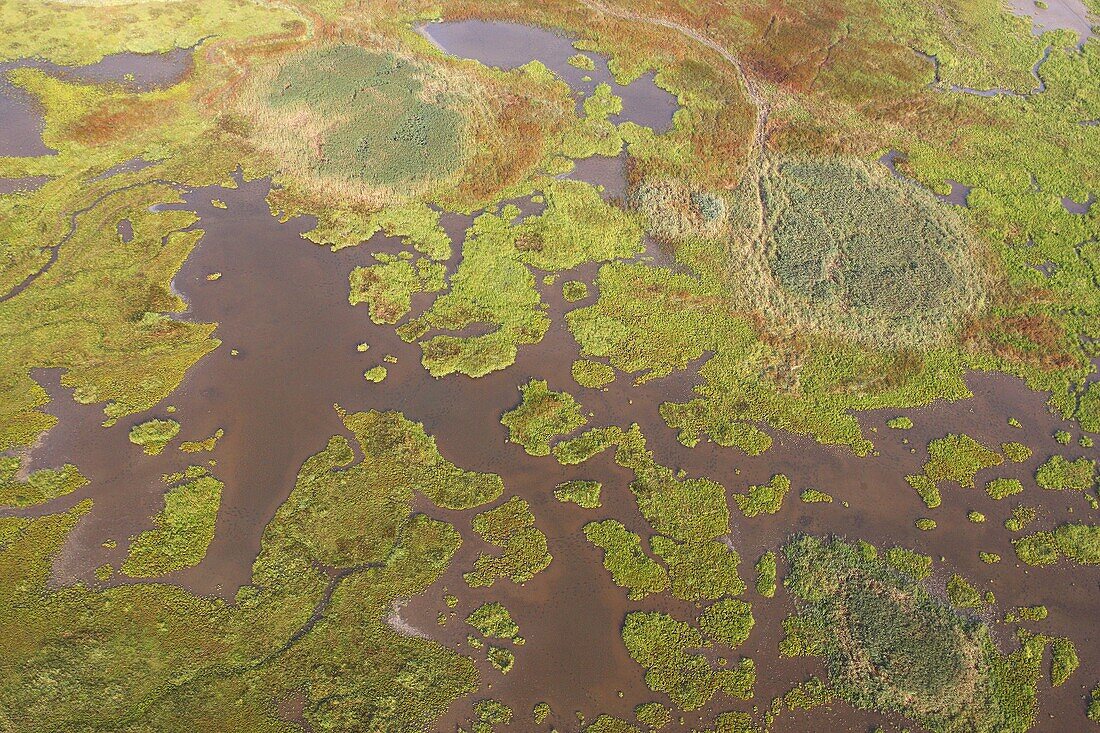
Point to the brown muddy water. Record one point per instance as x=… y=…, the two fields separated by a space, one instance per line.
x=510 y=45
x=281 y=303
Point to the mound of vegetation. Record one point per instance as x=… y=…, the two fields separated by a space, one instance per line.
x=854 y=248
x=889 y=645
x=367 y=115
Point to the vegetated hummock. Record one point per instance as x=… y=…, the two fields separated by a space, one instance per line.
x=763 y=277
x=889 y=645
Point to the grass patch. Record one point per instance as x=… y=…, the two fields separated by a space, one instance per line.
x=661 y=644
x=1079 y=543
x=699 y=570
x=39 y=487
x=182 y=531
x=202 y=446
x=848 y=254
x=1063 y=661
x=1015 y=452
x=1002 y=488
x=493 y=621
x=766 y=574
x=154 y=435
x=1062 y=474
x=890 y=646
x=511 y=527
x=728 y=622
x=542 y=415
x=574 y=290
x=585 y=494
x=624 y=558
x=371 y=119
x=387 y=288
x=592 y=374
x=764 y=499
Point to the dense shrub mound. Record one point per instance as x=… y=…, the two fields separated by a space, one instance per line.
x=369 y=116
x=853 y=247
x=890 y=645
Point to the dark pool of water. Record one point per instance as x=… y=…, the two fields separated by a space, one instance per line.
x=510 y=45
x=282 y=303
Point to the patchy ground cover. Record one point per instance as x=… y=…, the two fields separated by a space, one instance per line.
x=760 y=241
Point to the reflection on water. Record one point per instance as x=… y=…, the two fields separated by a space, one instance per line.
x=510 y=45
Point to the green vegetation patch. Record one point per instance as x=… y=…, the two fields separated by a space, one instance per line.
x=699 y=570
x=387 y=288
x=182 y=530
x=766 y=570
x=542 y=415
x=855 y=248
x=585 y=494
x=154 y=435
x=653 y=714
x=1026 y=613
x=153 y=656
x=728 y=621
x=1015 y=452
x=958 y=458
x=1001 y=488
x=961 y=593
x=39 y=486
x=574 y=290
x=376 y=374
x=376 y=123
x=661 y=644
x=814 y=496
x=1020 y=518
x=913 y=564
x=592 y=374
x=901 y=422
x=202 y=446
x=511 y=527
x=889 y=645
x=502 y=658
x=1063 y=660
x=1079 y=543
x=493 y=621
x=624 y=558
x=1062 y=474
x=765 y=498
